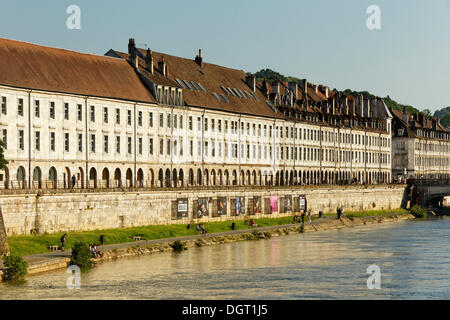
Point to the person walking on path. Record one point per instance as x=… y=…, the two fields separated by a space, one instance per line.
x=309 y=216
x=63 y=241
x=339 y=213
x=303 y=217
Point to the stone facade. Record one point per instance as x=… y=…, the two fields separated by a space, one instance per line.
x=80 y=211
x=4 y=248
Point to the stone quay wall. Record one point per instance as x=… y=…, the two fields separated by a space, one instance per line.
x=80 y=210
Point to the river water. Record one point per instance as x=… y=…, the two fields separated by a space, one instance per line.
x=413 y=257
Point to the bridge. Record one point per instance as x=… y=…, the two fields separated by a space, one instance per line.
x=426 y=192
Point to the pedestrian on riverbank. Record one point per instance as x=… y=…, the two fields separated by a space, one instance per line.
x=339 y=213
x=303 y=217
x=102 y=239
x=309 y=216
x=63 y=241
x=295 y=218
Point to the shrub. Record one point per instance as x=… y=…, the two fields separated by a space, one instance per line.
x=81 y=255
x=418 y=212
x=16 y=268
x=178 y=246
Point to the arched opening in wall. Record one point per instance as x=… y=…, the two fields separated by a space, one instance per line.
x=254 y=178
x=206 y=177
x=191 y=177
x=291 y=178
x=21 y=177
x=280 y=179
x=321 y=177
x=4 y=177
x=105 y=178
x=80 y=177
x=168 y=182
x=161 y=178
x=260 y=180
x=242 y=178
x=129 y=178
x=37 y=178
x=151 y=177
x=174 y=178
x=277 y=178
x=227 y=178
x=68 y=181
x=53 y=178
x=220 y=177
x=118 y=178
x=181 y=178
x=213 y=177
x=93 y=178
x=248 y=180
x=235 y=178
x=199 y=177
x=140 y=178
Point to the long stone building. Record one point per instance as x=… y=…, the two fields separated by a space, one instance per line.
x=420 y=148
x=147 y=119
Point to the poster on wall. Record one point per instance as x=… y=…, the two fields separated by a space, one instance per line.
x=182 y=208
x=288 y=204
x=239 y=206
x=203 y=207
x=256 y=205
x=222 y=206
x=273 y=204
x=302 y=202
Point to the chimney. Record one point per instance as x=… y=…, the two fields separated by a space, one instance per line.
x=305 y=87
x=422 y=120
x=366 y=107
x=345 y=104
x=405 y=115
x=293 y=86
x=132 y=53
x=324 y=90
x=251 y=82
x=149 y=61
x=265 y=89
x=434 y=124
x=351 y=107
x=162 y=66
x=199 y=59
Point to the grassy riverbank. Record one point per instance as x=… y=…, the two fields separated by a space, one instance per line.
x=26 y=245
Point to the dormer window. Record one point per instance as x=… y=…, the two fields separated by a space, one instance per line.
x=401 y=132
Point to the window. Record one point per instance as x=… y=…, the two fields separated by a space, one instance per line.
x=181 y=121
x=52 y=110
x=92 y=113
x=161 y=147
x=105 y=114
x=168 y=147
x=37 y=111
x=140 y=145
x=4 y=107
x=181 y=146
x=161 y=120
x=206 y=124
x=105 y=143
x=117 y=116
x=129 y=145
x=140 y=118
x=169 y=120
x=129 y=117
x=37 y=140
x=21 y=140
x=175 y=121
x=190 y=123
x=20 y=107
x=66 y=111
x=80 y=142
x=150 y=114
x=151 y=146
x=93 y=143
x=80 y=112
x=191 y=148
x=118 y=144
x=66 y=141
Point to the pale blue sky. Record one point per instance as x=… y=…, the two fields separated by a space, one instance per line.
x=325 y=41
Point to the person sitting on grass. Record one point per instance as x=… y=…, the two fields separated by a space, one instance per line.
x=202 y=227
x=253 y=223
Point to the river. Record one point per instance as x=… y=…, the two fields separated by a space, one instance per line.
x=413 y=257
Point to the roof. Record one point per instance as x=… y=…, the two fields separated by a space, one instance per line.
x=36 y=67
x=212 y=77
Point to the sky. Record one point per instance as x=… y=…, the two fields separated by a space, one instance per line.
x=325 y=41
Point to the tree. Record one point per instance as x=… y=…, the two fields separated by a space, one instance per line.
x=3 y=161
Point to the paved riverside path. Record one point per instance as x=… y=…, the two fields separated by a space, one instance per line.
x=47 y=257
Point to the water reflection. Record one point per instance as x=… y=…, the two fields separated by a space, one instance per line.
x=413 y=257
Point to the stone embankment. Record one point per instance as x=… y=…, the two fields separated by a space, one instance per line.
x=53 y=261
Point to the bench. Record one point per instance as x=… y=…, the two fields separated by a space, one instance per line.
x=53 y=248
x=137 y=238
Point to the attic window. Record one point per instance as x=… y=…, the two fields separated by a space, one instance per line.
x=225 y=98
x=201 y=87
x=401 y=132
x=271 y=106
x=254 y=96
x=216 y=96
x=225 y=90
x=242 y=93
x=195 y=86
x=237 y=92
x=232 y=92
x=181 y=83
x=187 y=84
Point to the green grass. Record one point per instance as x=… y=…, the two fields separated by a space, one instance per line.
x=30 y=244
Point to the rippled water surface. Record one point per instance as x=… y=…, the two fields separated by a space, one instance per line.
x=413 y=257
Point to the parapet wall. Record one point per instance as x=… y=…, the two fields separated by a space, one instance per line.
x=81 y=211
